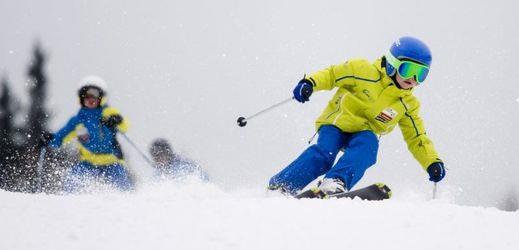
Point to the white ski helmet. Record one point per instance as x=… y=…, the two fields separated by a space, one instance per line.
x=92 y=85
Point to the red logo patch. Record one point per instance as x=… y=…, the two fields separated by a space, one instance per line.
x=386 y=115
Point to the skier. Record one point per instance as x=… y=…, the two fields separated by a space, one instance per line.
x=371 y=99
x=95 y=127
x=168 y=164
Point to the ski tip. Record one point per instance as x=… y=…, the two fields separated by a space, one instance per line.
x=319 y=194
x=385 y=189
x=311 y=194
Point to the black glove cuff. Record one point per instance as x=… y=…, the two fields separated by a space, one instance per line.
x=113 y=120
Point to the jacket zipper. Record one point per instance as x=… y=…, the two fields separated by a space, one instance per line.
x=336 y=110
x=339 y=115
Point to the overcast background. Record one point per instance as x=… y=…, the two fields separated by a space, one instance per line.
x=185 y=70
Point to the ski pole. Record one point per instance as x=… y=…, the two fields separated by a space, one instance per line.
x=242 y=121
x=39 y=169
x=435 y=189
x=148 y=160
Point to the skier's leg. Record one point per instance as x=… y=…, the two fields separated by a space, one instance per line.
x=312 y=163
x=77 y=177
x=360 y=153
x=117 y=175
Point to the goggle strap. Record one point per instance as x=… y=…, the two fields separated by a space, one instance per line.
x=393 y=61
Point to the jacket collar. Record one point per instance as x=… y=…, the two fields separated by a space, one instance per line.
x=387 y=82
x=86 y=112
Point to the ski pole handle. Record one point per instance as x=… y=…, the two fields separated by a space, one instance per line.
x=242 y=121
x=148 y=160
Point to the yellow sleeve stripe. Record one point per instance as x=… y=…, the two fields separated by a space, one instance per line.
x=98 y=159
x=71 y=136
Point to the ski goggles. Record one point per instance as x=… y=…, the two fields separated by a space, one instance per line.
x=407 y=69
x=93 y=93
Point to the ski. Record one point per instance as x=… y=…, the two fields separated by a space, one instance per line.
x=375 y=192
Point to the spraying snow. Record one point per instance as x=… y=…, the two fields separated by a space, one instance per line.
x=196 y=215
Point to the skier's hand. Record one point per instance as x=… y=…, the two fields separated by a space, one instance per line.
x=436 y=171
x=112 y=121
x=45 y=139
x=303 y=91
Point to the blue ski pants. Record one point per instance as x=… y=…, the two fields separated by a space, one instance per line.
x=83 y=172
x=360 y=152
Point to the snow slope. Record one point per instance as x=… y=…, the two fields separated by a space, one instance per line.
x=203 y=216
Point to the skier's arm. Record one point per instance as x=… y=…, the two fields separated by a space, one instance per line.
x=339 y=75
x=64 y=134
x=323 y=79
x=122 y=124
x=418 y=142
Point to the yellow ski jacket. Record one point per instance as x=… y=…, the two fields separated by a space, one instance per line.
x=368 y=99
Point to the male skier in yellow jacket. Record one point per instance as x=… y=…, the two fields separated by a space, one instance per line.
x=371 y=99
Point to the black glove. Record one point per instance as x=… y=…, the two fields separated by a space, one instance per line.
x=45 y=139
x=436 y=171
x=112 y=121
x=303 y=90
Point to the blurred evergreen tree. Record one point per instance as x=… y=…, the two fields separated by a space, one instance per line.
x=20 y=144
x=37 y=116
x=36 y=120
x=6 y=116
x=7 y=147
x=510 y=201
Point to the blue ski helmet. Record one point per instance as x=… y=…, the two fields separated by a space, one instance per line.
x=410 y=48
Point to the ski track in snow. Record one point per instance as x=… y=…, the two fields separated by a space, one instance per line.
x=202 y=216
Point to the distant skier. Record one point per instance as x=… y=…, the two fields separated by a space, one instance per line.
x=371 y=100
x=168 y=164
x=95 y=127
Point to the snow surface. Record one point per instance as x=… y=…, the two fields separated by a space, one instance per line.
x=197 y=215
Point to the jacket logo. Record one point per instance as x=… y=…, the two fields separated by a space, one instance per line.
x=386 y=115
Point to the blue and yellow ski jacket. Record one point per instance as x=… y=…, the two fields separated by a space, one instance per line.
x=97 y=143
